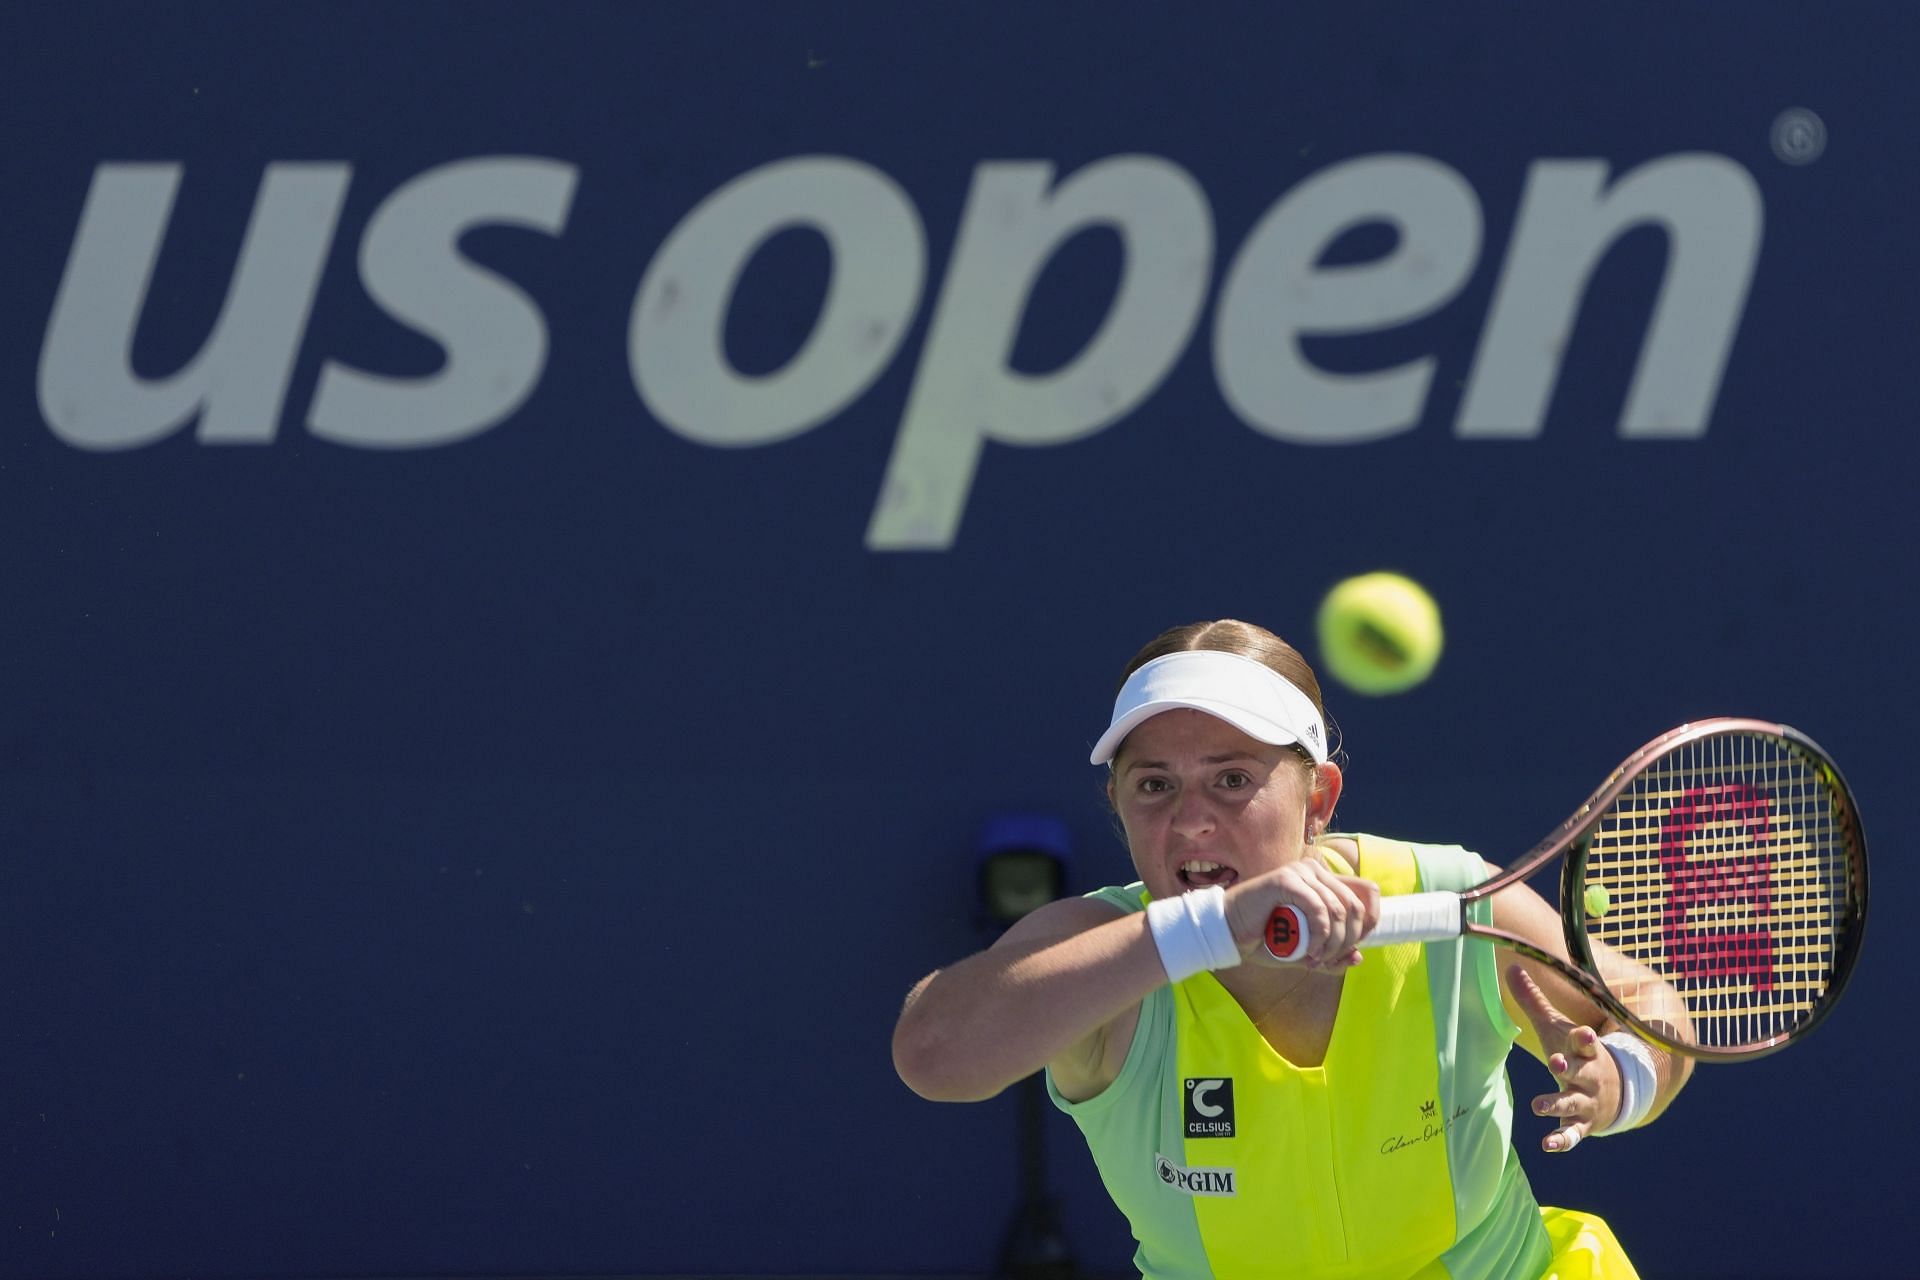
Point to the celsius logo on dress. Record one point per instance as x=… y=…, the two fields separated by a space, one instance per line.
x=1209 y=1107
x=1195 y=1182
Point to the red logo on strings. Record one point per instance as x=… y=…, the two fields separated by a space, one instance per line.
x=1711 y=950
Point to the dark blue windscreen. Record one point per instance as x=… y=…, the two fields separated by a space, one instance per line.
x=536 y=537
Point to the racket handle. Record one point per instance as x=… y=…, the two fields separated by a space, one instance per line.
x=1407 y=917
x=1438 y=916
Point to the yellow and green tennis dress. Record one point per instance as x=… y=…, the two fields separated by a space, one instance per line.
x=1391 y=1159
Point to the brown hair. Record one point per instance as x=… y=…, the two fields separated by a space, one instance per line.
x=1230 y=635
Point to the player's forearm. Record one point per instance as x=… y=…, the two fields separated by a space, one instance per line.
x=1661 y=1006
x=1672 y=1071
x=970 y=1030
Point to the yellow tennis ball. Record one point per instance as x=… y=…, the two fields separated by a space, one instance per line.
x=1599 y=901
x=1379 y=633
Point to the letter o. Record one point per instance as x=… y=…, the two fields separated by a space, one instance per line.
x=676 y=339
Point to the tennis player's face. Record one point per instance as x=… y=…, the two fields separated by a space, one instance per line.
x=1203 y=804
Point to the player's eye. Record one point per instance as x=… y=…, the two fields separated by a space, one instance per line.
x=1234 y=779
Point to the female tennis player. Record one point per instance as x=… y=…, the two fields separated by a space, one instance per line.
x=1253 y=1118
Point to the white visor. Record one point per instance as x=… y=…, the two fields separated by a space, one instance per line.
x=1249 y=695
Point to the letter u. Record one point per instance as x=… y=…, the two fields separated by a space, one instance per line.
x=90 y=395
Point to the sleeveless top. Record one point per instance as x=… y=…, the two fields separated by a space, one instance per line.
x=1392 y=1158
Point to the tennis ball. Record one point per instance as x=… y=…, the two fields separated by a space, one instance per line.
x=1379 y=633
x=1598 y=900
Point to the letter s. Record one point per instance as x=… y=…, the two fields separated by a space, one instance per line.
x=494 y=335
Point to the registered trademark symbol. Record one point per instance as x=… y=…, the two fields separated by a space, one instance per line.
x=1799 y=136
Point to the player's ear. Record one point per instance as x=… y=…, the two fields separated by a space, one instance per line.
x=1323 y=796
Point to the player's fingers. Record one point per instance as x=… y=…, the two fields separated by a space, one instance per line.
x=1254 y=907
x=1547 y=1020
x=1354 y=912
x=1333 y=915
x=1316 y=916
x=1365 y=898
x=1369 y=901
x=1573 y=1107
x=1569 y=1105
x=1527 y=991
x=1349 y=920
x=1564 y=1139
x=1343 y=930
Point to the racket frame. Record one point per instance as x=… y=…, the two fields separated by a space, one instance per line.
x=1571 y=842
x=1574 y=840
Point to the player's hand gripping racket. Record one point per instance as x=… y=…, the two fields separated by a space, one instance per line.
x=1714 y=891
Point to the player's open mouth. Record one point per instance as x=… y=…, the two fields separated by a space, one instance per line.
x=1198 y=873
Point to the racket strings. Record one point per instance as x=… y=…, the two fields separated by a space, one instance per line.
x=1725 y=867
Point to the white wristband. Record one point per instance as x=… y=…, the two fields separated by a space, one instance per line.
x=1638 y=1083
x=1192 y=933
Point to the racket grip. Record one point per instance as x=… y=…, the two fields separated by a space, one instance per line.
x=1437 y=916
x=1408 y=917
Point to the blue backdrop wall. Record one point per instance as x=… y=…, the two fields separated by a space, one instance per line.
x=534 y=538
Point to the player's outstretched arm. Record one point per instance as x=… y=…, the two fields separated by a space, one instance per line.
x=1059 y=987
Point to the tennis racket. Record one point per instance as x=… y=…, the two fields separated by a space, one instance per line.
x=1713 y=890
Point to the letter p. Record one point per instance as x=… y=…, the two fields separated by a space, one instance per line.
x=965 y=391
